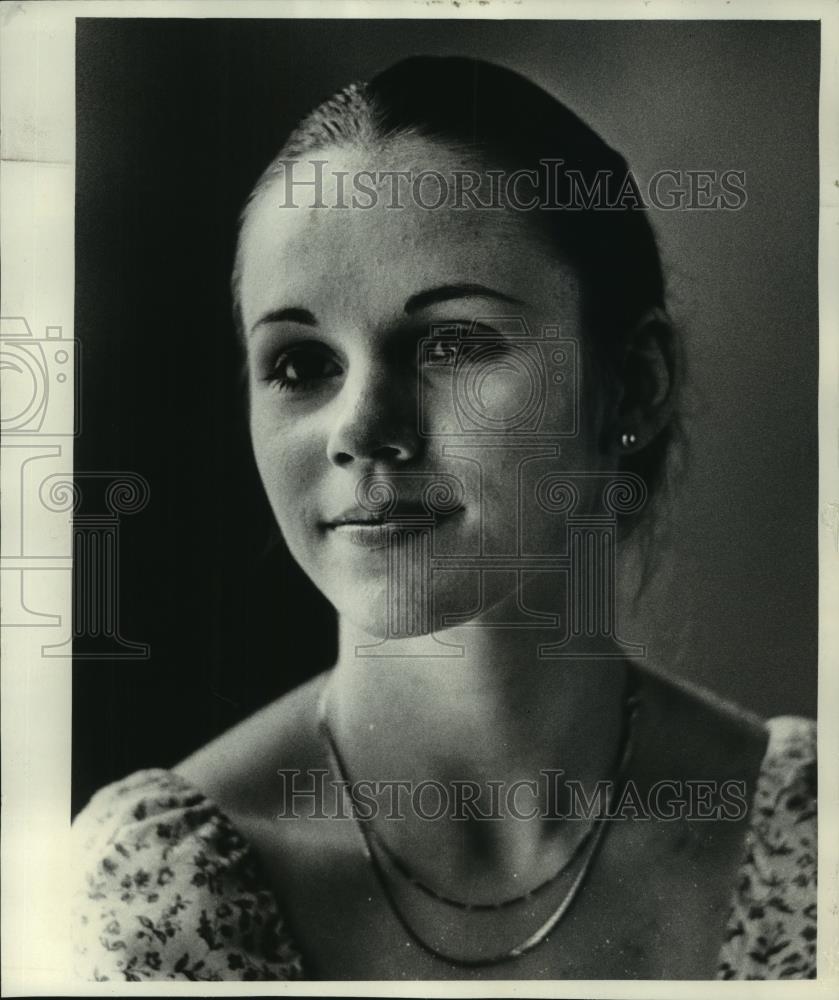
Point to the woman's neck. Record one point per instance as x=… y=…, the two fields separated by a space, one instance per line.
x=499 y=711
x=497 y=714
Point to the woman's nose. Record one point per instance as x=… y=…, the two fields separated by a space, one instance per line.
x=376 y=419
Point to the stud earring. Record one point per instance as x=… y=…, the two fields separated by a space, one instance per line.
x=627 y=440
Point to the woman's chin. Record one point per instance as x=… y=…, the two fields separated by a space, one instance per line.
x=365 y=624
x=379 y=622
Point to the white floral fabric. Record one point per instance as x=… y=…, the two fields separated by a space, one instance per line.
x=771 y=932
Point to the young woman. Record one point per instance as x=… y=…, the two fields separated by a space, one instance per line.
x=462 y=383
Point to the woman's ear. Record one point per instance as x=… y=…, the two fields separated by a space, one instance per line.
x=648 y=382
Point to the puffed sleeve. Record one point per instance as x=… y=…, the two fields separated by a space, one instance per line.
x=772 y=928
x=167 y=889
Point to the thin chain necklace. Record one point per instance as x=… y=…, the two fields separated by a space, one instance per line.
x=466 y=905
x=582 y=856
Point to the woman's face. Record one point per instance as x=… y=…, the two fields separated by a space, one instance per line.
x=351 y=376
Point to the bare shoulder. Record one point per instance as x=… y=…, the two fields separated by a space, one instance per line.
x=689 y=730
x=238 y=769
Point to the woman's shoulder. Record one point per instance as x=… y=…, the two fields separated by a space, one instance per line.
x=771 y=932
x=791 y=754
x=695 y=733
x=168 y=889
x=239 y=769
x=771 y=929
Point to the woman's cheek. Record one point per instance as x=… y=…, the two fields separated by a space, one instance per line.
x=269 y=439
x=285 y=468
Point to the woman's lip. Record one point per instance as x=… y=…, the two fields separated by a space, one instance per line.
x=369 y=535
x=376 y=534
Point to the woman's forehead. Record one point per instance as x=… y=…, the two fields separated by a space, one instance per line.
x=375 y=264
x=408 y=185
x=303 y=238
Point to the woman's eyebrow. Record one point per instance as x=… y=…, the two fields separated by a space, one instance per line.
x=447 y=292
x=288 y=315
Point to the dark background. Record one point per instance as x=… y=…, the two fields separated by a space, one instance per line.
x=176 y=118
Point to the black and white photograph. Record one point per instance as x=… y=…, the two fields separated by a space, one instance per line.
x=421 y=507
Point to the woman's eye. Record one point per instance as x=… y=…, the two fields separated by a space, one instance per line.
x=462 y=344
x=440 y=351
x=302 y=368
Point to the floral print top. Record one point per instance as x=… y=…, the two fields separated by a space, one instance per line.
x=169 y=890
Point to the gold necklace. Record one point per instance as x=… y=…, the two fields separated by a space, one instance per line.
x=582 y=856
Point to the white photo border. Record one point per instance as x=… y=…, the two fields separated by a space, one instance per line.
x=37 y=237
